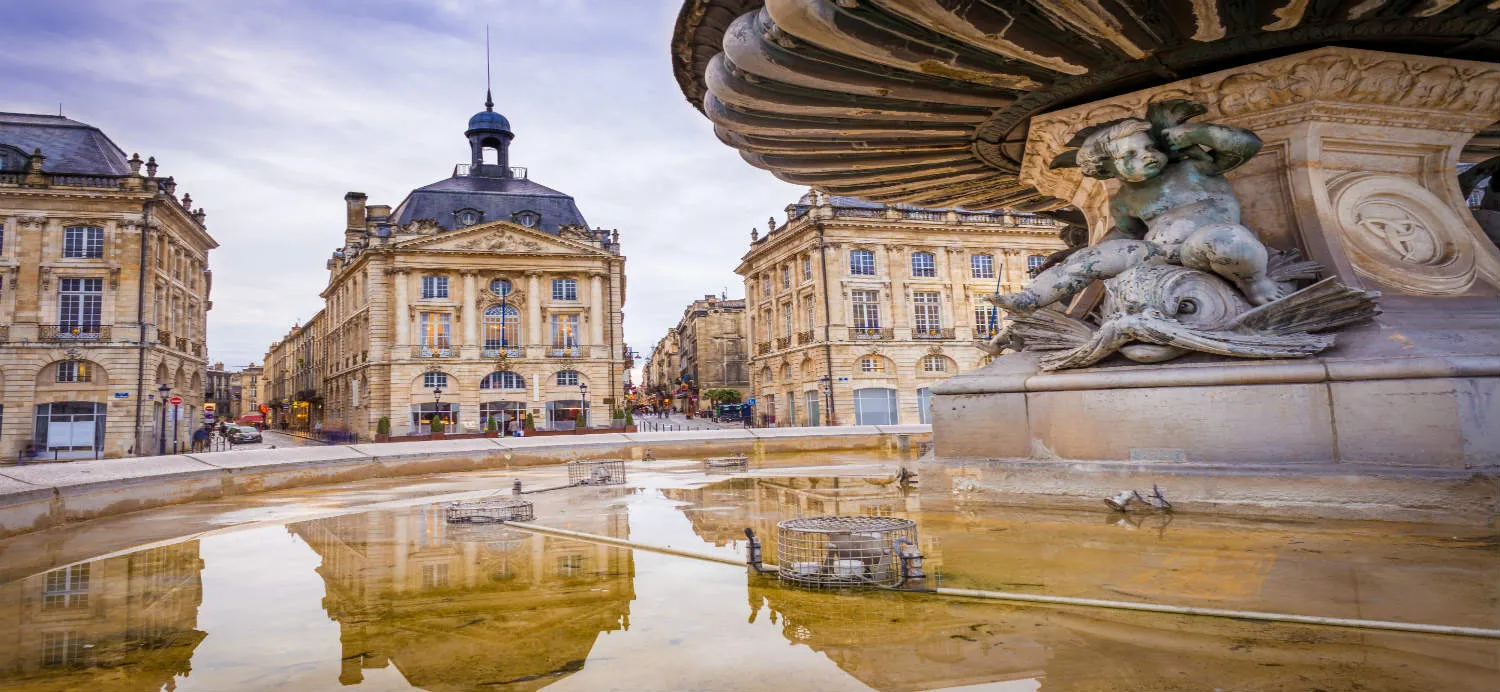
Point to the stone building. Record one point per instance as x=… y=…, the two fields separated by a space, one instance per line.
x=856 y=308
x=711 y=351
x=219 y=391
x=661 y=375
x=483 y=294
x=104 y=294
x=244 y=390
x=296 y=381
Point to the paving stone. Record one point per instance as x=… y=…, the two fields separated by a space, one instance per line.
x=75 y=474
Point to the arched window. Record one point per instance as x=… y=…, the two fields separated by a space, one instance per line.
x=567 y=378
x=934 y=363
x=861 y=263
x=502 y=379
x=872 y=364
x=922 y=264
x=502 y=327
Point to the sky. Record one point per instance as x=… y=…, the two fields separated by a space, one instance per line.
x=267 y=112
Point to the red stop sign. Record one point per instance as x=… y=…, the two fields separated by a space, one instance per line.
x=175 y=401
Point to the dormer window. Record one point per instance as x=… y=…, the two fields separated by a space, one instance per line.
x=468 y=217
x=529 y=219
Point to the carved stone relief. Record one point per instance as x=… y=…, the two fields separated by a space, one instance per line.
x=1400 y=234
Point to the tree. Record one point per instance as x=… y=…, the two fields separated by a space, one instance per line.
x=383 y=426
x=722 y=396
x=437 y=425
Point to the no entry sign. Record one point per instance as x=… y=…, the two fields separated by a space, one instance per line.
x=175 y=401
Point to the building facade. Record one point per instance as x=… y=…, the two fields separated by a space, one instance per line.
x=244 y=391
x=712 y=351
x=661 y=376
x=218 y=396
x=482 y=295
x=104 y=297
x=856 y=308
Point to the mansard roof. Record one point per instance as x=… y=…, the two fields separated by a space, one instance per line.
x=70 y=146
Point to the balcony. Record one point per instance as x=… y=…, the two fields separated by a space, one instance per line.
x=73 y=332
x=985 y=333
x=762 y=348
x=509 y=352
x=197 y=348
x=4 y=333
x=783 y=342
x=432 y=352
x=164 y=337
x=872 y=333
x=806 y=337
x=939 y=334
x=565 y=352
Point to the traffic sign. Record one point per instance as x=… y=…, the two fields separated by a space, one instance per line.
x=751 y=401
x=175 y=401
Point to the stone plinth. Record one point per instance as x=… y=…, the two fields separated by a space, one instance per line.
x=1357 y=172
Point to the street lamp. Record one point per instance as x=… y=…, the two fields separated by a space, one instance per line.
x=437 y=399
x=828 y=398
x=583 y=391
x=165 y=389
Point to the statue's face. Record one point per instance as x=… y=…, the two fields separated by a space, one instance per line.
x=1136 y=157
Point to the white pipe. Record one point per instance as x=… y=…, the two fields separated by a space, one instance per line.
x=1064 y=600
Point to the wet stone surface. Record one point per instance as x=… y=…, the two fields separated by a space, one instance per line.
x=365 y=586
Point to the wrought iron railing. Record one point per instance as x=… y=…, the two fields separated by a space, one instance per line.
x=806 y=337
x=464 y=169
x=432 y=352
x=762 y=348
x=182 y=344
x=509 y=351
x=197 y=348
x=164 y=337
x=783 y=342
x=872 y=333
x=930 y=333
x=565 y=352
x=73 y=332
x=985 y=332
x=4 y=333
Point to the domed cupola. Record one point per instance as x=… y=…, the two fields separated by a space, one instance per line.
x=489 y=130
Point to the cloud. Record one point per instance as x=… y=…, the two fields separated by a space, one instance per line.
x=268 y=112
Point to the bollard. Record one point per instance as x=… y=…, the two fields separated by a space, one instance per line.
x=515 y=489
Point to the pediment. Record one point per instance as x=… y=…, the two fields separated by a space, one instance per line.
x=499 y=237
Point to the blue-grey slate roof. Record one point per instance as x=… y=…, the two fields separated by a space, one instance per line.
x=498 y=198
x=70 y=146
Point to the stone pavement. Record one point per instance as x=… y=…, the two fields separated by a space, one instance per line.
x=678 y=421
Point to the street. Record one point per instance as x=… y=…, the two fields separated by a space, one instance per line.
x=277 y=440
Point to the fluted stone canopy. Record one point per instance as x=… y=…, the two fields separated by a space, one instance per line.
x=928 y=103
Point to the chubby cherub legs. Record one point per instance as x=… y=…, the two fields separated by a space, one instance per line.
x=1059 y=283
x=1229 y=250
x=1233 y=252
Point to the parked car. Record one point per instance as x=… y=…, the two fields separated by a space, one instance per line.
x=243 y=434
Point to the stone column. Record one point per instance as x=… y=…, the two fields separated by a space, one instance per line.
x=596 y=309
x=402 y=309
x=534 y=308
x=471 y=311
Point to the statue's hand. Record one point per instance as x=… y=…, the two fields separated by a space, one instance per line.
x=1180 y=136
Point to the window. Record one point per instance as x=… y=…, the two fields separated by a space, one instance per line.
x=1034 y=263
x=435 y=576
x=79 y=304
x=468 y=217
x=986 y=320
x=786 y=320
x=83 y=242
x=786 y=276
x=64 y=648
x=934 y=363
x=2 y=238
x=807 y=267
x=565 y=331
x=433 y=380
x=565 y=289
x=437 y=329
x=866 y=309
x=75 y=371
x=434 y=287
x=872 y=364
x=503 y=379
x=765 y=285
x=66 y=588
x=927 y=313
x=923 y=265
x=500 y=287
x=812 y=315
x=502 y=327
x=861 y=263
x=982 y=266
x=567 y=378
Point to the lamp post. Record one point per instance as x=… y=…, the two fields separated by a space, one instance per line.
x=828 y=398
x=161 y=448
x=437 y=399
x=583 y=391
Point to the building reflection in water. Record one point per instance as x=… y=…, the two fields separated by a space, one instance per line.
x=455 y=606
x=122 y=623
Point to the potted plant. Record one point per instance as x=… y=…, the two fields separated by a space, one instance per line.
x=629 y=420
x=437 y=428
x=383 y=429
x=529 y=424
x=492 y=428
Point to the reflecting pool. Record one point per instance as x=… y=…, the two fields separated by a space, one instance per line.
x=392 y=597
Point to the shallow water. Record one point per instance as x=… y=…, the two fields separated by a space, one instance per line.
x=395 y=599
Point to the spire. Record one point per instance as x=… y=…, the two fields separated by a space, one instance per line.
x=489 y=100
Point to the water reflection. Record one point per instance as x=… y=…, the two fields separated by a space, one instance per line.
x=457 y=607
x=132 y=618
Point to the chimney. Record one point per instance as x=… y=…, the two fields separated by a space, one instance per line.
x=356 y=205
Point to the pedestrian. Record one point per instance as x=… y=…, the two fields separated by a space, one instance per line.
x=200 y=438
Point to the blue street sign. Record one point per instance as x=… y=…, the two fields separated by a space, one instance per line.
x=751 y=401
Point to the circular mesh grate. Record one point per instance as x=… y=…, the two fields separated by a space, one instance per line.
x=489 y=511
x=841 y=551
x=596 y=472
